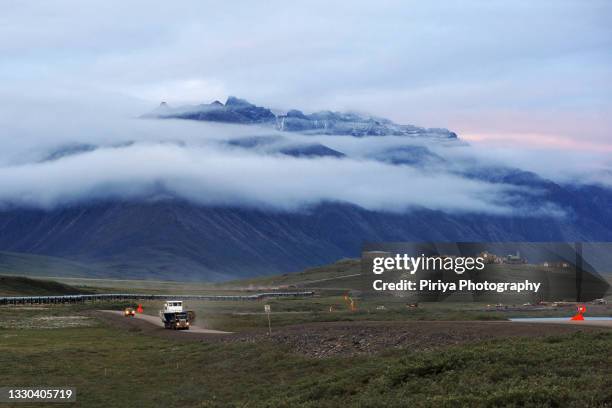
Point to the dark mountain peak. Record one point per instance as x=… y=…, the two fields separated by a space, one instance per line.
x=70 y=149
x=294 y=113
x=325 y=122
x=233 y=101
x=324 y=115
x=283 y=145
x=412 y=155
x=311 y=150
x=235 y=110
x=254 y=141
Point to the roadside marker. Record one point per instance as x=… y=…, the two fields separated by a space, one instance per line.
x=579 y=315
x=350 y=302
x=267 y=310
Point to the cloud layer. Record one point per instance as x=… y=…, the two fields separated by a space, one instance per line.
x=212 y=176
x=509 y=68
x=529 y=82
x=73 y=153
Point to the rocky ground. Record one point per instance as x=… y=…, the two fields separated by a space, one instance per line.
x=47 y=322
x=320 y=340
x=358 y=338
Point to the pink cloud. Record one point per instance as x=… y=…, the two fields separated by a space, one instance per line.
x=537 y=140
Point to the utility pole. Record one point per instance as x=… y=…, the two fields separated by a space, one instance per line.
x=579 y=268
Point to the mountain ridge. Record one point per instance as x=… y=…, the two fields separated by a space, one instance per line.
x=157 y=233
x=177 y=239
x=240 y=111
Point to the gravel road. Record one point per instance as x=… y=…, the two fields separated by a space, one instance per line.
x=156 y=321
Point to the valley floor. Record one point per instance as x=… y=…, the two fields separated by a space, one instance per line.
x=356 y=360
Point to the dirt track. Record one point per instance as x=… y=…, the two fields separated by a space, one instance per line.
x=596 y=323
x=363 y=337
x=156 y=321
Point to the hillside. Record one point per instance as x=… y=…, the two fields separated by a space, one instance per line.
x=177 y=240
x=24 y=264
x=347 y=275
x=315 y=188
x=344 y=270
x=22 y=286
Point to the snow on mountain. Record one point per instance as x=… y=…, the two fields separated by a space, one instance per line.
x=240 y=111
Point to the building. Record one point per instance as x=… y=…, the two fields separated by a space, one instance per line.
x=515 y=259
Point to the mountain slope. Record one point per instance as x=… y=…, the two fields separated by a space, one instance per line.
x=21 y=286
x=180 y=204
x=175 y=239
x=24 y=264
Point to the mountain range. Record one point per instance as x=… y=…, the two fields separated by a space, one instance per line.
x=164 y=236
x=240 y=111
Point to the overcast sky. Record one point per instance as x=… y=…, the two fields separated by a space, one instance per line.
x=527 y=83
x=503 y=72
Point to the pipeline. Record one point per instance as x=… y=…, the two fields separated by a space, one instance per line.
x=22 y=300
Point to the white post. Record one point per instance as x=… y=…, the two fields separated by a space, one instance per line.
x=267 y=309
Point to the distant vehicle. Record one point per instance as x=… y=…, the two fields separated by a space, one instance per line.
x=174 y=317
x=129 y=312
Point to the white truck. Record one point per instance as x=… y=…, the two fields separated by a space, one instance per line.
x=174 y=317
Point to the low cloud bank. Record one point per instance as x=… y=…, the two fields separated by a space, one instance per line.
x=219 y=176
x=72 y=155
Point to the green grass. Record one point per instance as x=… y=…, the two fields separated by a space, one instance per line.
x=111 y=367
x=334 y=279
x=142 y=286
x=310 y=276
x=21 y=264
x=247 y=315
x=22 y=286
x=140 y=264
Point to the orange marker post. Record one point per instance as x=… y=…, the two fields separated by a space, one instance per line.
x=580 y=313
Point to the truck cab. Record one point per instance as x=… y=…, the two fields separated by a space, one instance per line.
x=173 y=316
x=176 y=321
